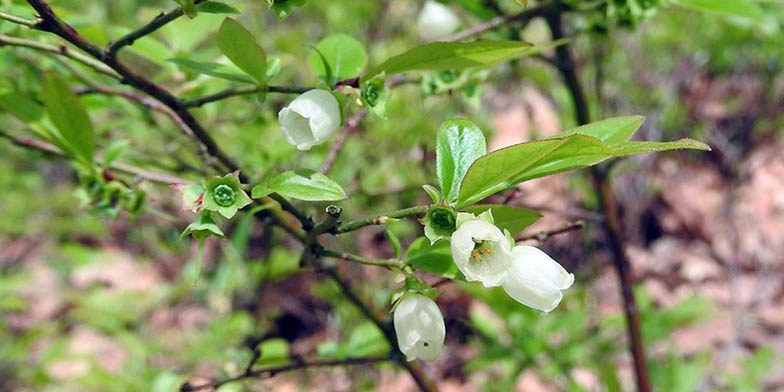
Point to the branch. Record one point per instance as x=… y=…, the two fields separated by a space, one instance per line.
x=542 y=236
x=352 y=124
x=39 y=145
x=525 y=16
x=391 y=264
x=159 y=21
x=60 y=50
x=381 y=219
x=271 y=372
x=612 y=224
x=243 y=90
x=19 y=20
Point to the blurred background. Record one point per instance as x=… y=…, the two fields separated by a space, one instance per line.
x=93 y=302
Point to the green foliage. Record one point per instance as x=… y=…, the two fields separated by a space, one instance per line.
x=69 y=116
x=459 y=143
x=240 y=46
x=514 y=219
x=345 y=57
x=283 y=8
x=214 y=7
x=435 y=258
x=742 y=8
x=212 y=69
x=301 y=184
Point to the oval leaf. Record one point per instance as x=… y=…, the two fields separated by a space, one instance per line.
x=345 y=56
x=69 y=116
x=514 y=219
x=436 y=258
x=212 y=69
x=459 y=144
x=303 y=185
x=239 y=45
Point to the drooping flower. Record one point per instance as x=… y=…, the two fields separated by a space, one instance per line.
x=534 y=279
x=310 y=119
x=419 y=327
x=436 y=21
x=481 y=252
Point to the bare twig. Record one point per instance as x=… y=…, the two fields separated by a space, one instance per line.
x=7 y=40
x=542 y=236
x=381 y=219
x=352 y=124
x=159 y=21
x=243 y=90
x=18 y=19
x=391 y=263
x=271 y=372
x=523 y=17
x=612 y=224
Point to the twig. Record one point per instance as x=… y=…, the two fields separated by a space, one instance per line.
x=612 y=224
x=7 y=40
x=542 y=236
x=352 y=124
x=391 y=263
x=47 y=148
x=159 y=21
x=270 y=372
x=381 y=219
x=524 y=16
x=18 y=19
x=243 y=90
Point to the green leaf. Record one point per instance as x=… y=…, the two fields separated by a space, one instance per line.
x=345 y=56
x=742 y=8
x=521 y=162
x=282 y=8
x=440 y=56
x=239 y=45
x=69 y=116
x=514 y=219
x=21 y=107
x=302 y=184
x=394 y=241
x=460 y=142
x=212 y=69
x=611 y=131
x=214 y=7
x=114 y=150
x=436 y=258
x=203 y=227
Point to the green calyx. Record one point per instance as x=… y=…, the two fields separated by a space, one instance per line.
x=371 y=94
x=440 y=222
x=224 y=195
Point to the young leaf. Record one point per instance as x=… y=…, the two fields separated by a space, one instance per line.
x=742 y=8
x=22 y=107
x=459 y=144
x=214 y=7
x=436 y=258
x=69 y=116
x=212 y=69
x=239 y=45
x=345 y=56
x=301 y=184
x=521 y=162
x=611 y=131
x=514 y=219
x=440 y=56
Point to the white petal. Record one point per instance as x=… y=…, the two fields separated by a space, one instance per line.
x=419 y=327
x=436 y=21
x=534 y=279
x=310 y=119
x=490 y=269
x=296 y=129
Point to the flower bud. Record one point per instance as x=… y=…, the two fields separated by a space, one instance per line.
x=310 y=119
x=534 y=279
x=481 y=252
x=436 y=21
x=419 y=327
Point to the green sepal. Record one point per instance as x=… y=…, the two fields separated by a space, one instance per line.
x=434 y=193
x=375 y=94
x=282 y=8
x=203 y=227
x=394 y=241
x=440 y=222
x=412 y=286
x=216 y=201
x=463 y=217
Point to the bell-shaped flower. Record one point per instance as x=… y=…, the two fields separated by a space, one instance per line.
x=436 y=21
x=310 y=119
x=481 y=252
x=419 y=327
x=534 y=279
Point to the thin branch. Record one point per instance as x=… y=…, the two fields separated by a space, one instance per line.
x=7 y=40
x=19 y=20
x=381 y=219
x=612 y=224
x=524 y=17
x=271 y=372
x=159 y=21
x=243 y=90
x=39 y=145
x=352 y=124
x=386 y=263
x=543 y=236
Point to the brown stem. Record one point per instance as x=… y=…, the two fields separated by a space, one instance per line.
x=612 y=223
x=352 y=124
x=159 y=21
x=542 y=236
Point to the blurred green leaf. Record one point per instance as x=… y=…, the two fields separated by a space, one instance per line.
x=459 y=143
x=214 y=7
x=345 y=56
x=436 y=258
x=69 y=116
x=302 y=184
x=240 y=46
x=22 y=107
x=212 y=69
x=514 y=219
x=742 y=8
x=282 y=8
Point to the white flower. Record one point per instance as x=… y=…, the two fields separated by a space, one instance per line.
x=310 y=119
x=420 y=327
x=436 y=21
x=481 y=252
x=534 y=279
